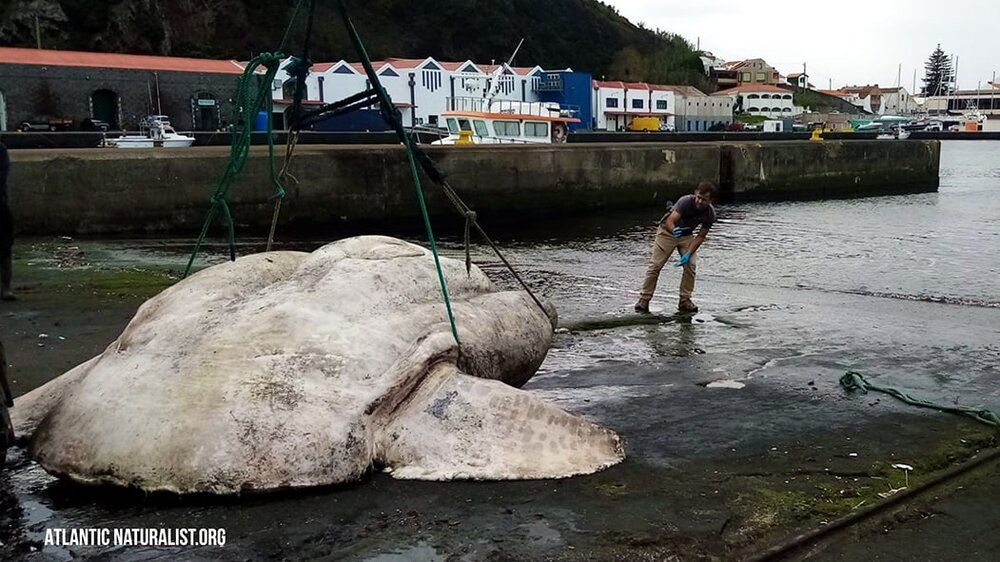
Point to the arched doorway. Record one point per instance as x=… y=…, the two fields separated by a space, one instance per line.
x=104 y=107
x=205 y=112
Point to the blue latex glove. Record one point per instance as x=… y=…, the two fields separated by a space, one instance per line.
x=684 y=259
x=678 y=232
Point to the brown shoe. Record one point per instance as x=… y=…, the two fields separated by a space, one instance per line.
x=642 y=306
x=687 y=306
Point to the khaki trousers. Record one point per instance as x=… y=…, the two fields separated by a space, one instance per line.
x=663 y=245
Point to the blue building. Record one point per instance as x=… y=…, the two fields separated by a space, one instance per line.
x=570 y=89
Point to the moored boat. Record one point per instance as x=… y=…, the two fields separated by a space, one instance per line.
x=483 y=121
x=154 y=131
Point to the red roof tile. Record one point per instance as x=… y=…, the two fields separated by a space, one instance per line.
x=48 y=57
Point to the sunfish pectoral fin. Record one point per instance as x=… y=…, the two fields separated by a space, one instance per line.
x=455 y=426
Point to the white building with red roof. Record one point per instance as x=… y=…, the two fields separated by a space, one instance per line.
x=680 y=108
x=618 y=103
x=765 y=100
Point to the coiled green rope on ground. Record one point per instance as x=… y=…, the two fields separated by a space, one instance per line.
x=852 y=380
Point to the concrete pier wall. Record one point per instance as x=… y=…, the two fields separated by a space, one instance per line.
x=828 y=169
x=106 y=191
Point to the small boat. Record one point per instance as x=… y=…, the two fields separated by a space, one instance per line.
x=481 y=121
x=154 y=131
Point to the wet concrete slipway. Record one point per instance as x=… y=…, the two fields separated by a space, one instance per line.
x=738 y=434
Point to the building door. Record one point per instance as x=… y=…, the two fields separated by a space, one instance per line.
x=206 y=112
x=3 y=112
x=104 y=107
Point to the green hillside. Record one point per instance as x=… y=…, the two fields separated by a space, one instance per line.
x=583 y=34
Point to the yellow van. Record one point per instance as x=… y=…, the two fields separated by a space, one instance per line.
x=645 y=124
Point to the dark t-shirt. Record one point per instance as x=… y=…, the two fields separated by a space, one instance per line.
x=692 y=216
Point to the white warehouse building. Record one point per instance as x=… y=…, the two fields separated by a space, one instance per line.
x=421 y=88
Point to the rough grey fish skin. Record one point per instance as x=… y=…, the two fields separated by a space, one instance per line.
x=292 y=369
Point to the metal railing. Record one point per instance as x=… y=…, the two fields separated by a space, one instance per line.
x=513 y=107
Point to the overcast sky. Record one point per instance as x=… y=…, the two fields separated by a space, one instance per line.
x=860 y=42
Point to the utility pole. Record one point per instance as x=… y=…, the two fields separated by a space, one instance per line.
x=38 y=34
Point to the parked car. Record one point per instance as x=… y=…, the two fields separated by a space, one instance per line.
x=90 y=124
x=45 y=124
x=6 y=402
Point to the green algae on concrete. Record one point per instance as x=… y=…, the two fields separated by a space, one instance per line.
x=66 y=268
x=811 y=498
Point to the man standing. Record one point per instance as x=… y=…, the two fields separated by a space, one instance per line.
x=676 y=231
x=6 y=229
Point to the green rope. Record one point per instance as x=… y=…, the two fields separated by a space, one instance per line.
x=394 y=118
x=253 y=95
x=856 y=381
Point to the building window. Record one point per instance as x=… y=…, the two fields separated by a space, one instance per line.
x=532 y=129
x=661 y=104
x=611 y=102
x=481 y=130
x=746 y=77
x=753 y=96
x=777 y=109
x=430 y=79
x=761 y=76
x=786 y=97
x=787 y=110
x=636 y=104
x=753 y=110
x=507 y=128
x=765 y=96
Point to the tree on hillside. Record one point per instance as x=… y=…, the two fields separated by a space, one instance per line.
x=937 y=74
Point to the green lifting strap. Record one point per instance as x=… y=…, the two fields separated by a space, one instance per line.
x=394 y=118
x=253 y=95
x=853 y=380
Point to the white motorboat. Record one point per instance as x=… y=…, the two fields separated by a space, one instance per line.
x=154 y=131
x=482 y=121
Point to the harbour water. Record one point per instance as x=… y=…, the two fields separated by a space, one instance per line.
x=722 y=413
